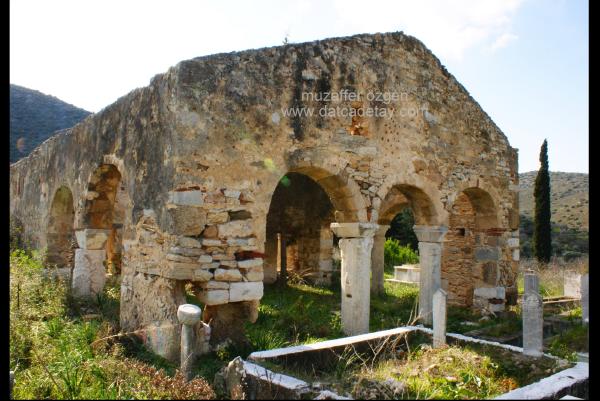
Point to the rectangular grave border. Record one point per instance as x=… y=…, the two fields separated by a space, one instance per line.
x=569 y=380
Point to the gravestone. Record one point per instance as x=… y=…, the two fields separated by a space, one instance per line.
x=439 y=318
x=585 y=298
x=533 y=324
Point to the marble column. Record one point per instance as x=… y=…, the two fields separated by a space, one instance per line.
x=189 y=315
x=89 y=272
x=377 y=260
x=430 y=261
x=356 y=243
x=440 y=298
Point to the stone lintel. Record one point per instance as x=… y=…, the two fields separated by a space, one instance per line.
x=354 y=230
x=430 y=233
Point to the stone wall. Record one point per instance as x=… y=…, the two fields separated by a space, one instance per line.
x=201 y=150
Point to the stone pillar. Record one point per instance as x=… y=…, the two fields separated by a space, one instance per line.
x=282 y=259
x=377 y=260
x=585 y=298
x=189 y=315
x=430 y=258
x=439 y=318
x=531 y=282
x=533 y=317
x=356 y=242
x=89 y=272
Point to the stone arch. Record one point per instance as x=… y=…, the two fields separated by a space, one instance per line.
x=98 y=237
x=486 y=214
x=470 y=256
x=60 y=233
x=298 y=223
x=343 y=192
x=401 y=196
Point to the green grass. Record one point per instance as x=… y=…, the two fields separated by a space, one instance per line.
x=571 y=341
x=57 y=351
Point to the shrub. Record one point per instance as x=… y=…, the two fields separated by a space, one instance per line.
x=396 y=254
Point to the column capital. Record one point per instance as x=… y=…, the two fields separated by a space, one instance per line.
x=354 y=230
x=430 y=233
x=383 y=228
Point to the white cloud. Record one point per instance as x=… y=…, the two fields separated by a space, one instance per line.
x=503 y=41
x=91 y=52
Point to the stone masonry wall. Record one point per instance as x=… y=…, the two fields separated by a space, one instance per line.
x=203 y=147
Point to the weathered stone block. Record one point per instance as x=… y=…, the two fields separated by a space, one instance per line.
x=187 y=242
x=490 y=292
x=92 y=238
x=236 y=228
x=231 y=264
x=89 y=273
x=254 y=275
x=202 y=275
x=188 y=220
x=213 y=242
x=187 y=198
x=487 y=253
x=180 y=258
x=228 y=275
x=245 y=291
x=213 y=285
x=231 y=193
x=246 y=264
x=513 y=242
x=205 y=259
x=217 y=217
x=179 y=270
x=213 y=297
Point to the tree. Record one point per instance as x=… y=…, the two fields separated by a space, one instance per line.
x=542 y=234
x=401 y=229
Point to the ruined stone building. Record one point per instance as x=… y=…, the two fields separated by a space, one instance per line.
x=191 y=179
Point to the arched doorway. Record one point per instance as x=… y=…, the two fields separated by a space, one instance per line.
x=60 y=233
x=471 y=234
x=298 y=234
x=99 y=239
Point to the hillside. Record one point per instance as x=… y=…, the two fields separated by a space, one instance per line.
x=34 y=117
x=569 y=198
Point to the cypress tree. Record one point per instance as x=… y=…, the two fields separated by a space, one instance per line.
x=542 y=234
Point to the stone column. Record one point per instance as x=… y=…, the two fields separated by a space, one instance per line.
x=585 y=298
x=531 y=282
x=89 y=273
x=356 y=242
x=533 y=316
x=189 y=315
x=430 y=260
x=377 y=260
x=439 y=318
x=282 y=259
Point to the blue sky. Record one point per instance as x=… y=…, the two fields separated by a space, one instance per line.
x=524 y=61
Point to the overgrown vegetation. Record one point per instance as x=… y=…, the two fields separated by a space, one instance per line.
x=397 y=254
x=59 y=347
x=406 y=367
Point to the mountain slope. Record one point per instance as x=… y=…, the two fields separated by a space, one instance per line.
x=569 y=198
x=34 y=117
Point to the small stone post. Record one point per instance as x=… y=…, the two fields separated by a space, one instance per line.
x=585 y=298
x=531 y=282
x=282 y=258
x=377 y=260
x=11 y=384
x=188 y=316
x=439 y=318
x=430 y=260
x=533 y=317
